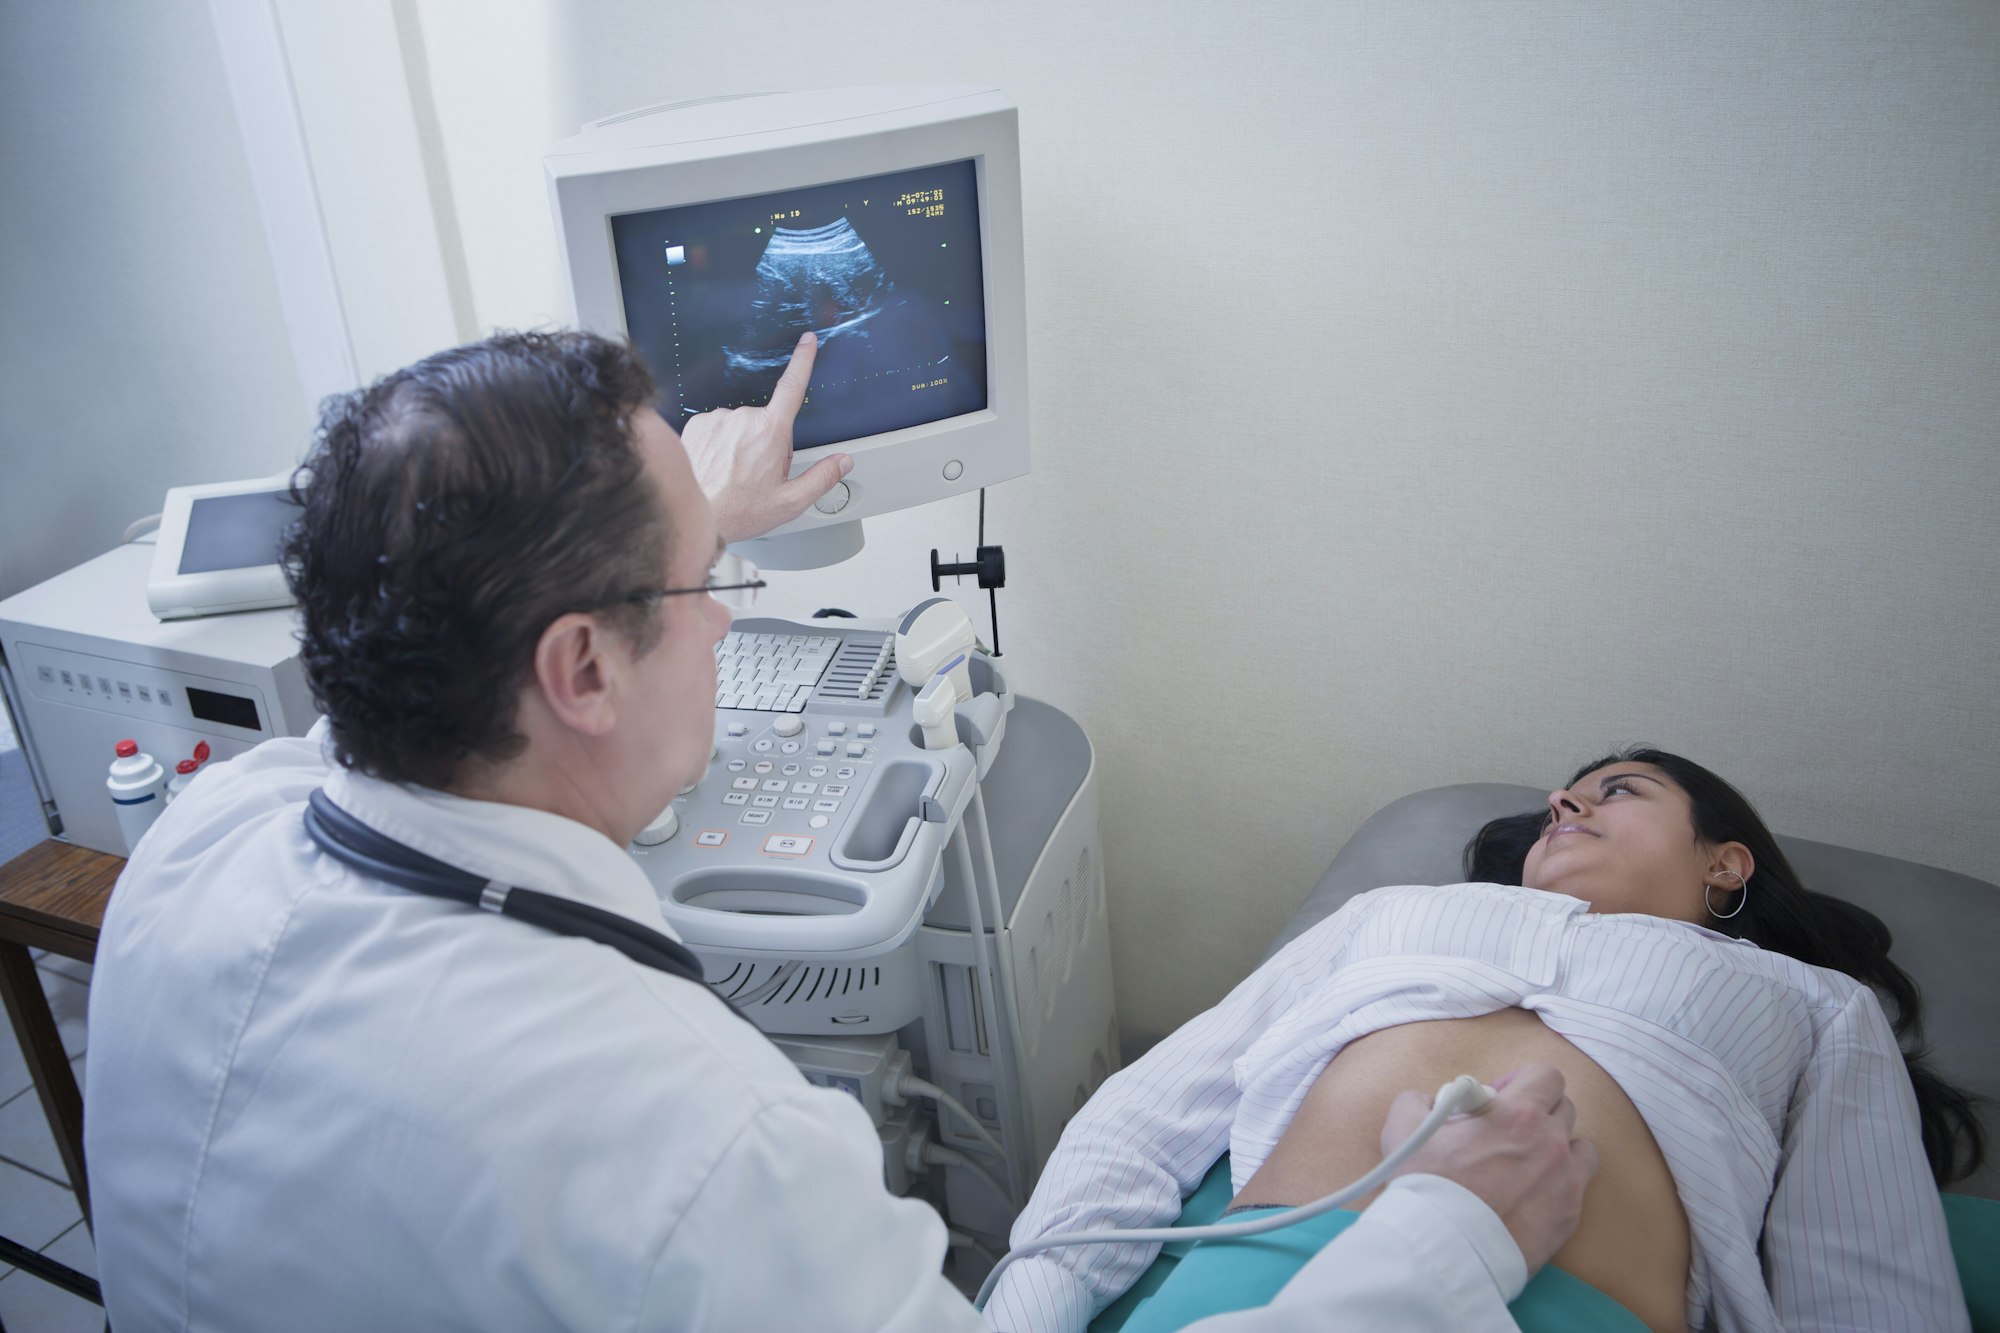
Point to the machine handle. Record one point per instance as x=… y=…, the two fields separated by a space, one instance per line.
x=889 y=909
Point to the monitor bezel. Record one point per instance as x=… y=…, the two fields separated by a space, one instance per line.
x=677 y=157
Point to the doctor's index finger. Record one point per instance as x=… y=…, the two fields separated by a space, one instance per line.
x=1538 y=1085
x=791 y=390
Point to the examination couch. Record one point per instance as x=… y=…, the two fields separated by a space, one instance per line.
x=1945 y=927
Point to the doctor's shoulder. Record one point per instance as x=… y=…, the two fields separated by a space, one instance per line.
x=230 y=800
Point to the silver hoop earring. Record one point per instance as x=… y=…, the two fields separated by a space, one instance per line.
x=1707 y=902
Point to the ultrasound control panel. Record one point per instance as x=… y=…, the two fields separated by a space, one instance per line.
x=821 y=820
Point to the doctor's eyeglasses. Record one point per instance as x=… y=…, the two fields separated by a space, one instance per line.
x=651 y=597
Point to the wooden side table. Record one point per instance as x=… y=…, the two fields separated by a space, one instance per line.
x=52 y=897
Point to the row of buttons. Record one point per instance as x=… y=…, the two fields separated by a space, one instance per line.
x=798 y=788
x=76 y=679
x=825 y=805
x=778 y=844
x=771 y=800
x=764 y=807
x=845 y=772
x=790 y=700
x=738 y=640
x=791 y=726
x=824 y=749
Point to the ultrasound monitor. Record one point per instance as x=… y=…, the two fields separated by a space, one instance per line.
x=885 y=220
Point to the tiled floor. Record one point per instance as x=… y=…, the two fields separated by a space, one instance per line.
x=37 y=1207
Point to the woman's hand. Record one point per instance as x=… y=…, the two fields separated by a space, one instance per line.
x=1518 y=1156
x=742 y=457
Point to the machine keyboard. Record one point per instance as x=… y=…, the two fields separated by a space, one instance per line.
x=770 y=673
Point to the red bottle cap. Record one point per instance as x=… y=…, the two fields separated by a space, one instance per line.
x=201 y=752
x=126 y=749
x=186 y=766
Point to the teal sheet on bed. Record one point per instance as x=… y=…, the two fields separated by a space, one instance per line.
x=1975 y=1240
x=1191 y=1281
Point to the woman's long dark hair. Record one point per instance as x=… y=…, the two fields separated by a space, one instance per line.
x=1784 y=916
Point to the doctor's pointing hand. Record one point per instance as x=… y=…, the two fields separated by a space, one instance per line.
x=742 y=457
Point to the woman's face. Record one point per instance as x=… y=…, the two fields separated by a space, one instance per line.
x=1622 y=839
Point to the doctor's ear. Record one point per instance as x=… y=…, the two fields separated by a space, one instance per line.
x=573 y=675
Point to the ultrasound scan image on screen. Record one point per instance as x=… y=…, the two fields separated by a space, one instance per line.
x=885 y=271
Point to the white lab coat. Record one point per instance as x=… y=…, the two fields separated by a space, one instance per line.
x=315 y=1101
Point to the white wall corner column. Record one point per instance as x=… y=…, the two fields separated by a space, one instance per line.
x=260 y=88
x=332 y=105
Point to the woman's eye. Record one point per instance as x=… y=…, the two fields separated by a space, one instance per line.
x=1625 y=787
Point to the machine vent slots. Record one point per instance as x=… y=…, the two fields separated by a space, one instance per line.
x=807 y=984
x=1088 y=888
x=1066 y=930
x=1046 y=972
x=1029 y=1007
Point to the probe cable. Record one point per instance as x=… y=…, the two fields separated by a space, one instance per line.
x=909 y=1085
x=938 y=1154
x=1463 y=1095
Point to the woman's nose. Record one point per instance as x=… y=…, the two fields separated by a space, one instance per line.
x=1562 y=804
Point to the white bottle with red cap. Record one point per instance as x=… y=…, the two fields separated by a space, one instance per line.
x=137 y=784
x=184 y=773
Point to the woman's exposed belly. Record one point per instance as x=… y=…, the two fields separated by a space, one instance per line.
x=1632 y=1243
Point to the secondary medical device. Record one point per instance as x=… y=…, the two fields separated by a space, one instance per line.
x=1464 y=1095
x=885 y=220
x=85 y=664
x=217 y=549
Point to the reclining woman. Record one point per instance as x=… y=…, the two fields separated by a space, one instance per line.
x=1769 y=1156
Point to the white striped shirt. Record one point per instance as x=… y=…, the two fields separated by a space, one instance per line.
x=1774 y=1089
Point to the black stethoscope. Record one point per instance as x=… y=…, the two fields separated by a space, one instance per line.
x=359 y=847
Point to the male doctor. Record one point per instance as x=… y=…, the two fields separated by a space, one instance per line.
x=318 y=1100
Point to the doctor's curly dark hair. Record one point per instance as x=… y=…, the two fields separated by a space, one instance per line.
x=451 y=511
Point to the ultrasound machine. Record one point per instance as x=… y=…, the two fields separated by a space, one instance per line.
x=892 y=865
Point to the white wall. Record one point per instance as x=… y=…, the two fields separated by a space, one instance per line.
x=1428 y=393
x=359 y=76
x=141 y=342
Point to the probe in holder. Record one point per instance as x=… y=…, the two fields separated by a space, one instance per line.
x=933 y=710
x=936 y=635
